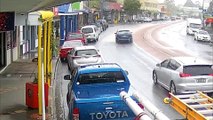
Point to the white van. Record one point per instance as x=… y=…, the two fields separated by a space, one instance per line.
x=193 y=25
x=91 y=33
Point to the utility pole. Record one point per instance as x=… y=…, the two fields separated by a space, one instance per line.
x=101 y=8
x=203 y=14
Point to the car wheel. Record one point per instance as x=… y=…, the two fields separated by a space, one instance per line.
x=155 y=78
x=173 y=88
x=62 y=60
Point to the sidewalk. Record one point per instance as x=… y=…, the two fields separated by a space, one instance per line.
x=12 y=90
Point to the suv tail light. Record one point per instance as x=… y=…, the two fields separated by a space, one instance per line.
x=75 y=114
x=211 y=74
x=185 y=75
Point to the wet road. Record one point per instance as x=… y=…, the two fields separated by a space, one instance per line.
x=138 y=62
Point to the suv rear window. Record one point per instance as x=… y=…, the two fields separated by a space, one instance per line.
x=87 y=30
x=196 y=70
x=101 y=77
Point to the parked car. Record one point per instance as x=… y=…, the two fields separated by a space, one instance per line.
x=94 y=93
x=123 y=35
x=91 y=33
x=100 y=27
x=76 y=36
x=139 y=19
x=103 y=22
x=202 y=35
x=184 y=75
x=147 y=19
x=82 y=56
x=67 y=46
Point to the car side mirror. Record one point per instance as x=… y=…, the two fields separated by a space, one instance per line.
x=158 y=65
x=126 y=72
x=67 y=77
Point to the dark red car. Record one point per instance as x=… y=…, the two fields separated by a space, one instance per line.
x=67 y=46
x=76 y=36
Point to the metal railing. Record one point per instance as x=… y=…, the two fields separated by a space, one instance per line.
x=138 y=111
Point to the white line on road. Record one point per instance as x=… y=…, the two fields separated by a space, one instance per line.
x=141 y=61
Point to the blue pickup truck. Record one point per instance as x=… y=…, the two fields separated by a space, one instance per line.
x=93 y=93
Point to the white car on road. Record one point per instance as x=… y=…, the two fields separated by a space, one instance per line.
x=202 y=35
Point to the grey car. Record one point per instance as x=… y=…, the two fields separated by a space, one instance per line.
x=82 y=56
x=184 y=75
x=123 y=35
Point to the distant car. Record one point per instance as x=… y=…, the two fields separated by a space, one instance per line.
x=184 y=75
x=76 y=36
x=173 y=18
x=147 y=19
x=82 y=56
x=202 y=35
x=91 y=33
x=123 y=35
x=103 y=22
x=139 y=19
x=67 y=46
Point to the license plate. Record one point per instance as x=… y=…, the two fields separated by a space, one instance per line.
x=201 y=80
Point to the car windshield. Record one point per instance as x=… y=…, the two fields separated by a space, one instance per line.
x=86 y=52
x=71 y=44
x=87 y=30
x=74 y=36
x=101 y=77
x=196 y=70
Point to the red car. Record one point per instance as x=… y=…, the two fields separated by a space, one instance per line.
x=67 y=46
x=76 y=36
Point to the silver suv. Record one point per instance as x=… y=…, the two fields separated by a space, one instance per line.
x=184 y=75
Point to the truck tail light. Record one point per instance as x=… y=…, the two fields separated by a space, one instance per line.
x=185 y=75
x=75 y=114
x=141 y=106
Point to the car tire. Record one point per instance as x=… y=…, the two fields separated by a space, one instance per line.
x=155 y=78
x=172 y=88
x=62 y=60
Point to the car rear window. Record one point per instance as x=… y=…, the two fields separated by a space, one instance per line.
x=87 y=30
x=101 y=77
x=86 y=52
x=196 y=70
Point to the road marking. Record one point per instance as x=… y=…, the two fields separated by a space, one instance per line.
x=139 y=60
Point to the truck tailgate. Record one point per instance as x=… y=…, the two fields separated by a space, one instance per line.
x=104 y=109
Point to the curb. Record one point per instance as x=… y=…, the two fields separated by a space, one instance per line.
x=51 y=108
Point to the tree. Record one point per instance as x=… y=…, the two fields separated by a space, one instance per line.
x=131 y=6
x=210 y=9
x=171 y=8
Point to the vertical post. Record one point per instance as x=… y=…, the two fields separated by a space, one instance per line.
x=42 y=84
x=62 y=27
x=45 y=52
x=49 y=52
x=39 y=71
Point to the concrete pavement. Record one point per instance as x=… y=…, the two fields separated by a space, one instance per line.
x=12 y=90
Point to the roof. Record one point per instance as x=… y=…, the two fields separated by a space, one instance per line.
x=99 y=67
x=191 y=61
x=85 y=47
x=189 y=3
